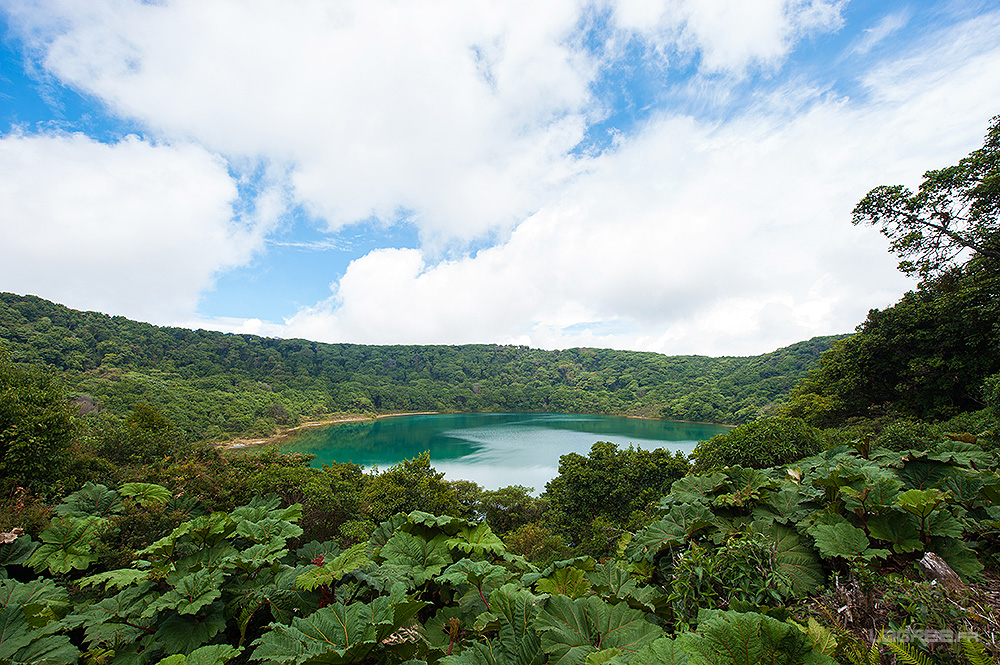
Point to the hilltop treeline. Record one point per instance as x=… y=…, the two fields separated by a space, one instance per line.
x=212 y=384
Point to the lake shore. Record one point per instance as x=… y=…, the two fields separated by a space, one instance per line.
x=275 y=439
x=250 y=442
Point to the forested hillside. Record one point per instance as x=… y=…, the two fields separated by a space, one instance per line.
x=857 y=525
x=212 y=384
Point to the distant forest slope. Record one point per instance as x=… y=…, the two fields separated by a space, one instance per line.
x=213 y=384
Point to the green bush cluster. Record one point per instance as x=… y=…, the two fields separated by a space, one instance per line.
x=759 y=444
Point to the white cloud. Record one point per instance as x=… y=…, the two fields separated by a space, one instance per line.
x=694 y=237
x=460 y=114
x=885 y=28
x=690 y=236
x=130 y=228
x=729 y=36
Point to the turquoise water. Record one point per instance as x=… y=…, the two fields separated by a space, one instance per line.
x=491 y=449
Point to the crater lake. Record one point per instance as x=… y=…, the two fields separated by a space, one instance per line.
x=491 y=449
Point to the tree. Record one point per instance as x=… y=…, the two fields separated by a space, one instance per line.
x=411 y=485
x=759 y=444
x=36 y=426
x=954 y=211
x=611 y=484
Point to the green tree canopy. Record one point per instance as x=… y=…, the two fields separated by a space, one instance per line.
x=36 y=425
x=954 y=211
x=759 y=444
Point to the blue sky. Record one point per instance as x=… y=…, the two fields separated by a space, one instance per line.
x=671 y=176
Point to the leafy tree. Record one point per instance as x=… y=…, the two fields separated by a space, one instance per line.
x=411 y=485
x=36 y=426
x=954 y=211
x=609 y=483
x=772 y=441
x=925 y=357
x=510 y=508
x=147 y=435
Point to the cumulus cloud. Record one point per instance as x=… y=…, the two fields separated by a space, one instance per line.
x=130 y=227
x=457 y=115
x=462 y=118
x=695 y=237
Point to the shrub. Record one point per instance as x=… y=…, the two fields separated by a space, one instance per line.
x=907 y=435
x=760 y=444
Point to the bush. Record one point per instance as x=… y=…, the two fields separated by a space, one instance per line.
x=36 y=428
x=907 y=435
x=760 y=444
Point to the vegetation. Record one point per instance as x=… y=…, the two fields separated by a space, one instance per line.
x=123 y=541
x=758 y=444
x=213 y=385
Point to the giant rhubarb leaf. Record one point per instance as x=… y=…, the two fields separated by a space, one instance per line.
x=91 y=499
x=416 y=557
x=573 y=628
x=67 y=544
x=337 y=634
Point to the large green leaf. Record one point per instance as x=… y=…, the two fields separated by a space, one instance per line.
x=190 y=594
x=958 y=556
x=478 y=539
x=384 y=531
x=844 y=540
x=746 y=487
x=68 y=544
x=963 y=454
x=475 y=573
x=787 y=503
x=573 y=628
x=269 y=531
x=416 y=557
x=91 y=499
x=796 y=560
x=40 y=601
x=662 y=651
x=880 y=489
x=517 y=609
x=337 y=634
x=898 y=528
x=118 y=619
x=696 y=489
x=585 y=563
x=267 y=507
x=146 y=494
x=117 y=579
x=571 y=582
x=444 y=523
x=656 y=537
x=335 y=569
x=15 y=550
x=185 y=633
x=213 y=654
x=965 y=488
x=27 y=610
x=924 y=473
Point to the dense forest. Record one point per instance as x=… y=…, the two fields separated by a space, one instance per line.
x=213 y=385
x=857 y=522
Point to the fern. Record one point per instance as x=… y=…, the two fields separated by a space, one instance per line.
x=976 y=653
x=908 y=654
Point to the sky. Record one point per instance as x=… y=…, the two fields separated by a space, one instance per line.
x=658 y=175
